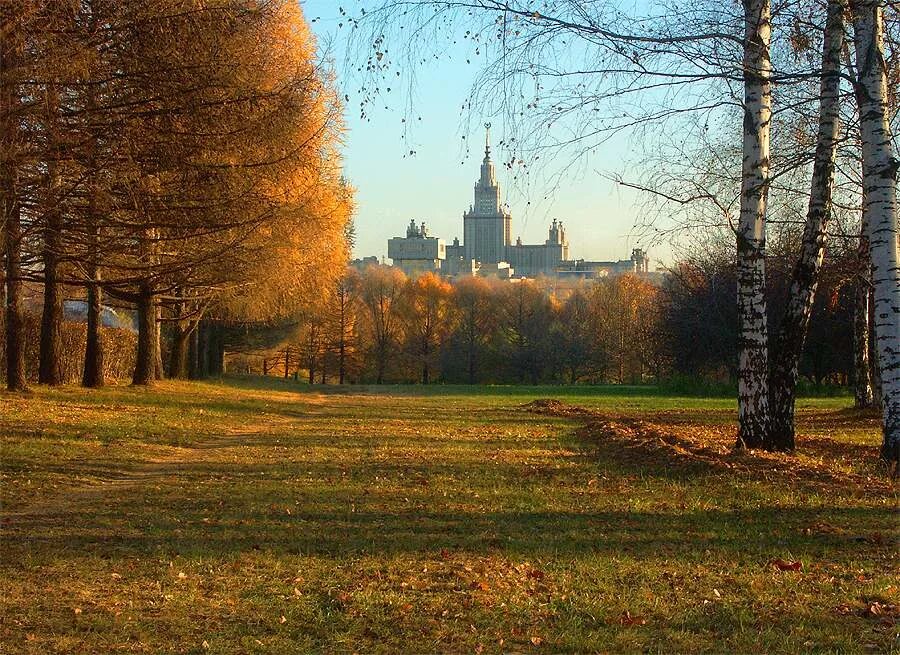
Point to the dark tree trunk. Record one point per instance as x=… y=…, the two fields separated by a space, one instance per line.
x=93 y=352
x=215 y=350
x=194 y=351
x=10 y=214
x=287 y=362
x=203 y=350
x=15 y=310
x=50 y=358
x=92 y=374
x=805 y=278
x=862 y=378
x=145 y=364
x=178 y=355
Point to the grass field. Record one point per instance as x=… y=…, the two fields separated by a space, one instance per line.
x=252 y=517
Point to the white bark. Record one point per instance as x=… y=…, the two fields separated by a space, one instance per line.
x=753 y=395
x=880 y=209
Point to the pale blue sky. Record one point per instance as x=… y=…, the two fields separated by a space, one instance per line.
x=435 y=184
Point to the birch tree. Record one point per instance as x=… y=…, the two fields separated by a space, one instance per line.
x=804 y=280
x=880 y=166
x=753 y=360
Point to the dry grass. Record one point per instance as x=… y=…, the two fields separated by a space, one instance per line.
x=259 y=517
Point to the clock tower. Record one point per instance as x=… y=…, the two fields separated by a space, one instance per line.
x=487 y=226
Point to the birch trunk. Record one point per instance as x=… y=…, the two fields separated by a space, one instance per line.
x=880 y=210
x=753 y=395
x=805 y=278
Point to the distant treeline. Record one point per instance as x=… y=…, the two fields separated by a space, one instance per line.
x=380 y=326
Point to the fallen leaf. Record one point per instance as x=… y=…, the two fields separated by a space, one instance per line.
x=537 y=641
x=628 y=620
x=781 y=565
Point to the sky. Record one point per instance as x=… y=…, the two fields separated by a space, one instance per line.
x=435 y=185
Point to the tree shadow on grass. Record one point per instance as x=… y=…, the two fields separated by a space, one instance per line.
x=213 y=526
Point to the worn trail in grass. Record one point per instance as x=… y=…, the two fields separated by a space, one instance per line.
x=259 y=517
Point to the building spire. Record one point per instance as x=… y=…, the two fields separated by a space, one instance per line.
x=488 y=178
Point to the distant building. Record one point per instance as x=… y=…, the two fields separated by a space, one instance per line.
x=580 y=268
x=487 y=247
x=417 y=252
x=364 y=263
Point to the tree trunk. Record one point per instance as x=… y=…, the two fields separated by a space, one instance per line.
x=753 y=392
x=203 y=347
x=805 y=278
x=93 y=352
x=158 y=372
x=92 y=372
x=178 y=355
x=194 y=351
x=215 y=350
x=880 y=207
x=50 y=356
x=862 y=378
x=145 y=363
x=10 y=206
x=15 y=310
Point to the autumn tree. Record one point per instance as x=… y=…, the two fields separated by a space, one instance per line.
x=475 y=312
x=342 y=325
x=580 y=348
x=380 y=294
x=426 y=315
x=527 y=326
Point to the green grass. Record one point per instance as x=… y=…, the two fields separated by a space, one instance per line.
x=262 y=516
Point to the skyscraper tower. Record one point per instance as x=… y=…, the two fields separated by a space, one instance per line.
x=487 y=227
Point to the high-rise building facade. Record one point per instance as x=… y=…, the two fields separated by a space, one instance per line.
x=487 y=225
